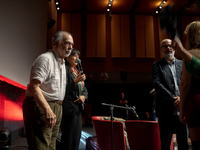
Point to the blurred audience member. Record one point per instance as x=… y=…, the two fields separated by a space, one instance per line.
x=104 y=76
x=123 y=113
x=88 y=76
x=123 y=74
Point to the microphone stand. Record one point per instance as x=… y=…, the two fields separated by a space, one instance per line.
x=133 y=111
x=111 y=109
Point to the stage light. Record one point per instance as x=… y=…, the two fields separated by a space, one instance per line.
x=109 y=6
x=160 y=6
x=5 y=139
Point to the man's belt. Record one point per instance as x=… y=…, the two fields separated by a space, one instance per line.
x=56 y=101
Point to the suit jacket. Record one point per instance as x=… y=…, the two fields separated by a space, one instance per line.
x=72 y=93
x=165 y=86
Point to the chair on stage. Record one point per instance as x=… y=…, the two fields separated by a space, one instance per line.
x=144 y=135
x=103 y=133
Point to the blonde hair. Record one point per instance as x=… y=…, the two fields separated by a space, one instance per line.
x=192 y=32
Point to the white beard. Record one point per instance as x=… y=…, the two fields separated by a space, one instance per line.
x=169 y=56
x=64 y=53
x=67 y=55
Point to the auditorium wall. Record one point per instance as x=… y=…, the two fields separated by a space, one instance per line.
x=111 y=42
x=23 y=37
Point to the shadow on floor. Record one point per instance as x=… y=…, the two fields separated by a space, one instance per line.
x=21 y=144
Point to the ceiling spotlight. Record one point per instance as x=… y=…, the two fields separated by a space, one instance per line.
x=57 y=3
x=160 y=6
x=58 y=8
x=109 y=6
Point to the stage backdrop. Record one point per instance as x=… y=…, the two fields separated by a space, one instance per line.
x=23 y=36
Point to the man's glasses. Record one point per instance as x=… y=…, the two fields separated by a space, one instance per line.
x=166 y=46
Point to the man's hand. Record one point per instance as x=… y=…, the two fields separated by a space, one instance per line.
x=177 y=101
x=37 y=94
x=50 y=118
x=81 y=99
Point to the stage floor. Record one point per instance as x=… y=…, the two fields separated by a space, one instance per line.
x=21 y=144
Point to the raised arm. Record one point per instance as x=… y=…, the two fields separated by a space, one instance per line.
x=184 y=90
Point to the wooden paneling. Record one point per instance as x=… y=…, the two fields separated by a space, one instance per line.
x=101 y=35
x=66 y=22
x=76 y=30
x=96 y=35
x=149 y=37
x=144 y=33
x=115 y=36
x=91 y=36
x=72 y=24
x=140 y=36
x=125 y=36
x=120 y=36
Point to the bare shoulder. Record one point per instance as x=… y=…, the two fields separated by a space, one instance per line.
x=195 y=52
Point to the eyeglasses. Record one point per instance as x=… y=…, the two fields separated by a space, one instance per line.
x=166 y=46
x=68 y=43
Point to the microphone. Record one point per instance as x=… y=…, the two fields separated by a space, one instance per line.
x=133 y=111
x=79 y=65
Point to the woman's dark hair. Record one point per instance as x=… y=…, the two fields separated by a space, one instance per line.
x=73 y=53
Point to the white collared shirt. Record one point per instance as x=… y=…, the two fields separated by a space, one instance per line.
x=49 y=69
x=177 y=92
x=173 y=71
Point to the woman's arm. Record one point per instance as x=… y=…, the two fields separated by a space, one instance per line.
x=184 y=90
x=192 y=63
x=181 y=51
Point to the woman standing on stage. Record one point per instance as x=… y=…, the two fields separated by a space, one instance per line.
x=190 y=85
x=76 y=94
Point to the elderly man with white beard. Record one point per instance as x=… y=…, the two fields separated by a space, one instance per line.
x=42 y=109
x=166 y=76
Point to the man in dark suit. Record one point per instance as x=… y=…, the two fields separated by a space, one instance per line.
x=166 y=75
